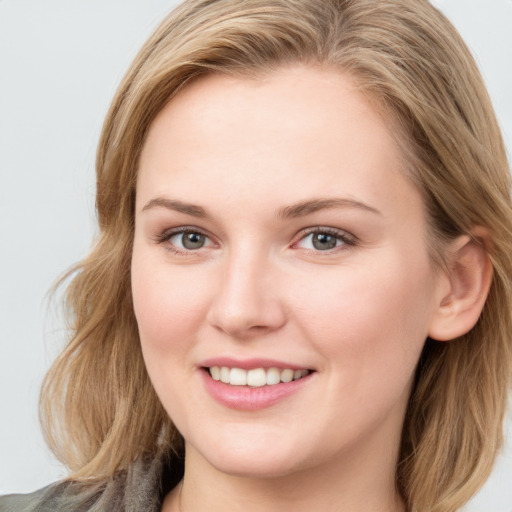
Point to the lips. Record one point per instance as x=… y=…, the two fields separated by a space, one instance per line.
x=252 y=384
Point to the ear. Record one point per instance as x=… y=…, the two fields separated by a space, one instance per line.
x=463 y=288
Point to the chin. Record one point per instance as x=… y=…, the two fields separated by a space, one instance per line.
x=251 y=458
x=267 y=467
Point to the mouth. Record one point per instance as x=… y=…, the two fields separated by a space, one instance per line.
x=256 y=377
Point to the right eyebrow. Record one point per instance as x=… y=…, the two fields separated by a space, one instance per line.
x=311 y=206
x=178 y=206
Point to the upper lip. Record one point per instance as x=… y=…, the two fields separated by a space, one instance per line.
x=249 y=364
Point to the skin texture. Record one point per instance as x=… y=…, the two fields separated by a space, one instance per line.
x=358 y=315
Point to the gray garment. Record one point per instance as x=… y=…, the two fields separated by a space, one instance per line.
x=138 y=489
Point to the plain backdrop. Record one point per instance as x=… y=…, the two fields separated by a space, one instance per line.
x=61 y=61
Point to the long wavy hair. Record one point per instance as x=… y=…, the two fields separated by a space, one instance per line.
x=98 y=407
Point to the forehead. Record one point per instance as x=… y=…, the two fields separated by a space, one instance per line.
x=308 y=99
x=295 y=128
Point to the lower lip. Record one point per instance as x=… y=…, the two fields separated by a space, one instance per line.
x=251 y=399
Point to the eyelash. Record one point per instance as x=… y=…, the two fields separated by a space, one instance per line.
x=164 y=237
x=347 y=239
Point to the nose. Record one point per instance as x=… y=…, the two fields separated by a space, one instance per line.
x=248 y=301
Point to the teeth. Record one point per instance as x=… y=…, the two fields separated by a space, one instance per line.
x=224 y=375
x=287 y=375
x=273 y=376
x=256 y=377
x=237 y=377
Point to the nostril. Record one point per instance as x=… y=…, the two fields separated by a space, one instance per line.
x=245 y=306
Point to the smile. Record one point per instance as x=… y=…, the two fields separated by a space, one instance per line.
x=256 y=377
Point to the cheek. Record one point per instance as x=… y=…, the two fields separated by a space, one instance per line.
x=366 y=312
x=169 y=306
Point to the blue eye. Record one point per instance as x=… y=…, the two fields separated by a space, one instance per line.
x=325 y=240
x=185 y=240
x=188 y=240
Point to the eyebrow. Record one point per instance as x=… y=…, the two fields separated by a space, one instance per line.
x=308 y=207
x=178 y=206
x=296 y=210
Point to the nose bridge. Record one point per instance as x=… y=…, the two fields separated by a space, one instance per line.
x=247 y=300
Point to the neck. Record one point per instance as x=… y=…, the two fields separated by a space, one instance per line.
x=351 y=483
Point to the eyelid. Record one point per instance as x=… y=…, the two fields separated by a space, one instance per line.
x=166 y=235
x=347 y=238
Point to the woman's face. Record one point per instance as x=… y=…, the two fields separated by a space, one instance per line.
x=277 y=238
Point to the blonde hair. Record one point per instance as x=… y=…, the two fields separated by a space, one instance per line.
x=98 y=407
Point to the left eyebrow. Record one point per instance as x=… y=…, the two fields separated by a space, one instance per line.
x=308 y=207
x=178 y=206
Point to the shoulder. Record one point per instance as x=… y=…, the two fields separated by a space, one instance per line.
x=139 y=488
x=20 y=502
x=58 y=497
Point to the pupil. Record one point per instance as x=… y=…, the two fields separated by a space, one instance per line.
x=193 y=240
x=323 y=241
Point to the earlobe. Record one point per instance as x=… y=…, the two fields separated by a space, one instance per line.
x=467 y=282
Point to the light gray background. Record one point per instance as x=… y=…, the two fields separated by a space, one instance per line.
x=61 y=61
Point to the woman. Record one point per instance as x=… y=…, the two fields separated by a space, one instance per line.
x=305 y=252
